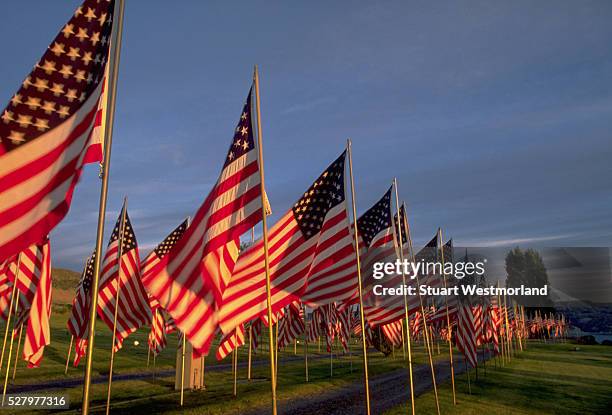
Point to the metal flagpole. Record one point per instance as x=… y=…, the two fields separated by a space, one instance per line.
x=450 y=337
x=202 y=368
x=235 y=363
x=8 y=362
x=362 y=317
x=250 y=351
x=404 y=342
x=306 y=344
x=508 y=339
x=401 y=258
x=114 y=53
x=154 y=366
x=265 y=237
x=467 y=373
x=17 y=354
x=68 y=354
x=502 y=346
x=183 y=368
x=426 y=332
x=331 y=359
x=148 y=354
x=276 y=350
x=10 y=311
x=523 y=327
x=251 y=324
x=117 y=296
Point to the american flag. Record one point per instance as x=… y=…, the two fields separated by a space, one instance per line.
x=78 y=323
x=300 y=246
x=466 y=332
x=52 y=127
x=134 y=311
x=415 y=324
x=33 y=303
x=291 y=325
x=314 y=327
x=329 y=322
x=231 y=341
x=38 y=332
x=477 y=312
x=376 y=229
x=394 y=332
x=30 y=262
x=184 y=282
x=344 y=327
x=148 y=264
x=157 y=335
x=255 y=331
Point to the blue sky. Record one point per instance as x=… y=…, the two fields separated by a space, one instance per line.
x=496 y=117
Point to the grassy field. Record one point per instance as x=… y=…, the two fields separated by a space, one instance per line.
x=136 y=396
x=551 y=378
x=544 y=379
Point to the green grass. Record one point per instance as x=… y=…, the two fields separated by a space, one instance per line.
x=137 y=396
x=544 y=379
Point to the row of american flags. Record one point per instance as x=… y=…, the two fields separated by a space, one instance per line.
x=197 y=281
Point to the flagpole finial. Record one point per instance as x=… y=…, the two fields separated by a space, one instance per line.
x=348 y=143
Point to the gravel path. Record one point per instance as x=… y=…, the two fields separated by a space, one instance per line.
x=386 y=391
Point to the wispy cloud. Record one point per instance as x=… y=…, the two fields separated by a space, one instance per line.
x=513 y=241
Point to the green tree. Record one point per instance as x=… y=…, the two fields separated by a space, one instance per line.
x=527 y=268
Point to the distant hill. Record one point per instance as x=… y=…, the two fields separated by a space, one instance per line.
x=65 y=282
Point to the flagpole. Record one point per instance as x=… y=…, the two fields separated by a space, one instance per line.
x=10 y=311
x=108 y=140
x=361 y=312
x=8 y=361
x=306 y=343
x=250 y=351
x=523 y=327
x=202 y=368
x=154 y=367
x=183 y=368
x=68 y=355
x=508 y=339
x=117 y=296
x=276 y=351
x=265 y=237
x=426 y=333
x=235 y=363
x=148 y=354
x=450 y=337
x=401 y=258
x=17 y=354
x=250 y=324
x=502 y=346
